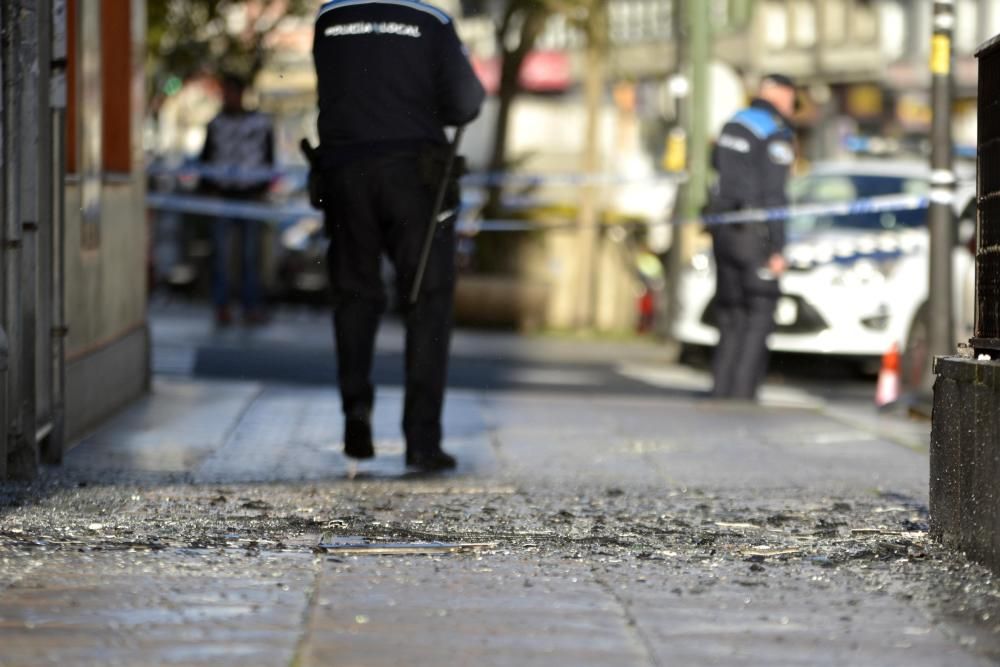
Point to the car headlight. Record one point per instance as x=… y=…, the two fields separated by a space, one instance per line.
x=701 y=262
x=864 y=273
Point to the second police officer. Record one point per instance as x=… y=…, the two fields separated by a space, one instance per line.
x=753 y=157
x=392 y=74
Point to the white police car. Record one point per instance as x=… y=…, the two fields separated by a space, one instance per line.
x=856 y=283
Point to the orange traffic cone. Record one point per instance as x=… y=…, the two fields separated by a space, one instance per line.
x=887 y=389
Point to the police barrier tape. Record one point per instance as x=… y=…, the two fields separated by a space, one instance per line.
x=880 y=204
x=875 y=246
x=226 y=173
x=245 y=175
x=214 y=207
x=228 y=208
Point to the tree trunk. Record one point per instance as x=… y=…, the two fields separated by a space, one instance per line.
x=510 y=70
x=534 y=21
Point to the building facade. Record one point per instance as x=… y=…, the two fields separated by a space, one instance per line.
x=74 y=223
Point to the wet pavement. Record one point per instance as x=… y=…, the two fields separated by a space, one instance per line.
x=217 y=523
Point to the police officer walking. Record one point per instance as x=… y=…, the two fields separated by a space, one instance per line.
x=392 y=74
x=752 y=156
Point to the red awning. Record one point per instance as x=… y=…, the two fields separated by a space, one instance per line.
x=541 y=72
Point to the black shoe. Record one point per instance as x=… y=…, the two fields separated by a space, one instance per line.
x=430 y=461
x=358 y=439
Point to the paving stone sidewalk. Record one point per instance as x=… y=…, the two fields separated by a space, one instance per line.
x=619 y=531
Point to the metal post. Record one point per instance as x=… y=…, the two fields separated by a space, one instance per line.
x=43 y=341
x=12 y=75
x=55 y=442
x=24 y=461
x=675 y=256
x=3 y=245
x=941 y=331
x=3 y=403
x=595 y=56
x=700 y=51
x=693 y=37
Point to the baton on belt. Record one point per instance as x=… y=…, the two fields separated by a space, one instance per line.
x=435 y=212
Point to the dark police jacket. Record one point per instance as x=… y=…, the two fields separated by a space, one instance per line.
x=753 y=156
x=391 y=74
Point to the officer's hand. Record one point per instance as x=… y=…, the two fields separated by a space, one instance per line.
x=777 y=264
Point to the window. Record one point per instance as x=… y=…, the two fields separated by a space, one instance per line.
x=864 y=23
x=803 y=23
x=892 y=19
x=834 y=21
x=98 y=101
x=775 y=20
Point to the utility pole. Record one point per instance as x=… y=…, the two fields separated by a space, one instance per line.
x=692 y=35
x=596 y=52
x=941 y=331
x=699 y=53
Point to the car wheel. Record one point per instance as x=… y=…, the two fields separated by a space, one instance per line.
x=915 y=358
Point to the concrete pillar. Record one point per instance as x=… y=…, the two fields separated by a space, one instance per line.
x=965 y=458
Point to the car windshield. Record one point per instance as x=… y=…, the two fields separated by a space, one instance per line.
x=829 y=188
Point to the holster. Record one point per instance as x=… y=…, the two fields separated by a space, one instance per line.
x=315 y=184
x=314 y=180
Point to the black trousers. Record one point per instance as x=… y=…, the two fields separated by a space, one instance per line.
x=744 y=312
x=375 y=207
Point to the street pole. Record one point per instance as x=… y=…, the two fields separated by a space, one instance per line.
x=693 y=40
x=681 y=90
x=940 y=329
x=595 y=55
x=700 y=51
